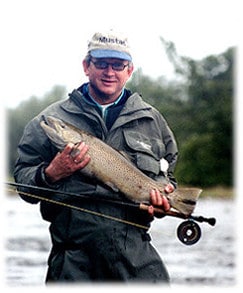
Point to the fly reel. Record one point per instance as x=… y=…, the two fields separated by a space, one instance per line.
x=189 y=232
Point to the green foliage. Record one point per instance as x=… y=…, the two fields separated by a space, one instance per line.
x=210 y=94
x=17 y=119
x=199 y=110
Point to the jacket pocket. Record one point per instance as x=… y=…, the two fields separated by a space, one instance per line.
x=145 y=151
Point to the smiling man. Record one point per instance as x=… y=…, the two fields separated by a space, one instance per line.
x=107 y=78
x=107 y=68
x=86 y=246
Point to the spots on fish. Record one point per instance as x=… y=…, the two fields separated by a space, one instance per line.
x=113 y=169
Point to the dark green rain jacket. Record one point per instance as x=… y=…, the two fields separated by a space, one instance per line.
x=88 y=247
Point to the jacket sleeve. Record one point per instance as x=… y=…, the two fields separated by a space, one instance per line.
x=171 y=149
x=34 y=154
x=171 y=156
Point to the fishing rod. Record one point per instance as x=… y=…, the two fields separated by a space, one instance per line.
x=141 y=206
x=71 y=200
x=188 y=232
x=74 y=197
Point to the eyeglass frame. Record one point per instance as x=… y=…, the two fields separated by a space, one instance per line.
x=107 y=64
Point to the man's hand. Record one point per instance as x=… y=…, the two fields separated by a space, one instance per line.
x=159 y=201
x=71 y=159
x=169 y=188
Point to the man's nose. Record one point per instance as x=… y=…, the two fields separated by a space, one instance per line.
x=109 y=70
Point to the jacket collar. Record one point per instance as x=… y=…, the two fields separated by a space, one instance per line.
x=77 y=103
x=134 y=108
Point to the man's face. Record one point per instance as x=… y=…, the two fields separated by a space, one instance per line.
x=107 y=77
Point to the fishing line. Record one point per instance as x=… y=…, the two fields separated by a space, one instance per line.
x=73 y=196
x=77 y=197
x=79 y=209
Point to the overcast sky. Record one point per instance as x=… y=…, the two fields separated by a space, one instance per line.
x=44 y=41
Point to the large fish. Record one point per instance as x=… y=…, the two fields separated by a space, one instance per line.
x=114 y=169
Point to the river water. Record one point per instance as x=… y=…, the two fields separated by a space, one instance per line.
x=209 y=262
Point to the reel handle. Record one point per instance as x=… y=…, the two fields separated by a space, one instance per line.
x=200 y=219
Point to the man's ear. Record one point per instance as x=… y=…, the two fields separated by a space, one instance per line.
x=86 y=67
x=130 y=70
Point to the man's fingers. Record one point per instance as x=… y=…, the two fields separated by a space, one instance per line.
x=157 y=200
x=68 y=149
x=151 y=210
x=81 y=155
x=155 y=197
x=83 y=162
x=169 y=188
x=166 y=204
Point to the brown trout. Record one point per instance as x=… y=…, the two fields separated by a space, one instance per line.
x=114 y=169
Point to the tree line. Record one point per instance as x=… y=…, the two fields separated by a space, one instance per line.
x=198 y=105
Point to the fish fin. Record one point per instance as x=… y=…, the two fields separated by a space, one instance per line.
x=184 y=199
x=112 y=186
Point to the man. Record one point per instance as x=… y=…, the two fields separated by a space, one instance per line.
x=88 y=247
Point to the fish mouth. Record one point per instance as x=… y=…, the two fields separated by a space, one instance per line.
x=53 y=123
x=53 y=129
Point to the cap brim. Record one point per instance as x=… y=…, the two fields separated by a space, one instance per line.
x=110 y=54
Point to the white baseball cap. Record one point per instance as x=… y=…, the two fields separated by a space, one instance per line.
x=109 y=45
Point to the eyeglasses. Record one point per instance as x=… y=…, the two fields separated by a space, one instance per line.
x=116 y=66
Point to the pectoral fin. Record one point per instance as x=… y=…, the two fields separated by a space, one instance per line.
x=112 y=186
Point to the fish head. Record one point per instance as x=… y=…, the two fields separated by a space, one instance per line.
x=60 y=132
